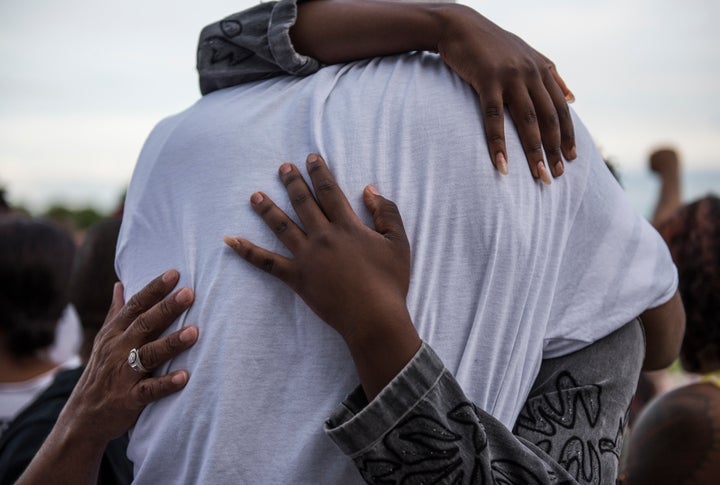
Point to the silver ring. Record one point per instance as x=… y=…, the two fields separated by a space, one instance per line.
x=134 y=361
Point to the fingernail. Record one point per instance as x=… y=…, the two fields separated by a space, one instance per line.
x=570 y=97
x=256 y=198
x=573 y=153
x=230 y=241
x=285 y=168
x=187 y=335
x=312 y=159
x=559 y=168
x=373 y=190
x=543 y=173
x=184 y=296
x=169 y=276
x=501 y=163
x=179 y=379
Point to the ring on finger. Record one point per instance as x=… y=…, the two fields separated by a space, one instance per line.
x=134 y=361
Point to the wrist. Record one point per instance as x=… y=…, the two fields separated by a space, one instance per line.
x=382 y=350
x=451 y=20
x=78 y=429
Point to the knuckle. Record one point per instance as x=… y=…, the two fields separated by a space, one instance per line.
x=146 y=391
x=529 y=116
x=512 y=72
x=564 y=112
x=166 y=308
x=323 y=239
x=389 y=208
x=493 y=112
x=547 y=75
x=268 y=264
x=132 y=308
x=148 y=355
x=314 y=167
x=172 y=345
x=142 y=324
x=300 y=198
x=552 y=120
x=326 y=185
x=530 y=70
x=553 y=150
x=534 y=148
x=281 y=227
x=290 y=178
x=497 y=138
x=265 y=209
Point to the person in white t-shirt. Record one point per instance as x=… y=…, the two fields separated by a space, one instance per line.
x=505 y=272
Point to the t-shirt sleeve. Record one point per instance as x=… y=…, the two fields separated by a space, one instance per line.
x=251 y=45
x=615 y=264
x=422 y=425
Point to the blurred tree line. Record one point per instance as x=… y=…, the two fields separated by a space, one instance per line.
x=74 y=218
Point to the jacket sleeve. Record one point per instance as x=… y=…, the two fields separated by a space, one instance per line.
x=423 y=427
x=251 y=45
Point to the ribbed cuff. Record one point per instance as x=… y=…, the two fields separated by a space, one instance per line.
x=283 y=16
x=357 y=425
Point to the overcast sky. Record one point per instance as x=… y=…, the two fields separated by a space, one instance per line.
x=82 y=82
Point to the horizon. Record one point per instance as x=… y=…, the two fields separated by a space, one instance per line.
x=80 y=91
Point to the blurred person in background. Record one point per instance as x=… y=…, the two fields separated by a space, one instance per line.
x=91 y=290
x=36 y=261
x=676 y=439
x=665 y=163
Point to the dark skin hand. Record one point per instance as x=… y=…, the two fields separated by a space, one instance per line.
x=365 y=302
x=501 y=67
x=110 y=395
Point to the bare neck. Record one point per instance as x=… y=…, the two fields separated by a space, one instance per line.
x=19 y=369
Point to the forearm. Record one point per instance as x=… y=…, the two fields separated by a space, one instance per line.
x=335 y=31
x=70 y=454
x=670 y=197
x=381 y=354
x=666 y=163
x=664 y=329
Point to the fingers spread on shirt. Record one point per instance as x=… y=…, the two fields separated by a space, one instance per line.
x=150 y=324
x=494 y=123
x=282 y=226
x=331 y=198
x=157 y=352
x=154 y=388
x=301 y=198
x=150 y=295
x=275 y=264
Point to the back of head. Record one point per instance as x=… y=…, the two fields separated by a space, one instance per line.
x=93 y=277
x=693 y=235
x=36 y=259
x=675 y=439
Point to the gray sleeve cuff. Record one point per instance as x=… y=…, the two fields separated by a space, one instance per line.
x=422 y=428
x=356 y=424
x=283 y=17
x=251 y=45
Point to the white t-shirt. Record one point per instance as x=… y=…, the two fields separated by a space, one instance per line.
x=16 y=396
x=504 y=269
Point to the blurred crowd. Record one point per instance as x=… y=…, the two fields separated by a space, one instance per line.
x=55 y=293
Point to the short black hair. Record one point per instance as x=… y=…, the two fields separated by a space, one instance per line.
x=93 y=278
x=693 y=235
x=36 y=259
